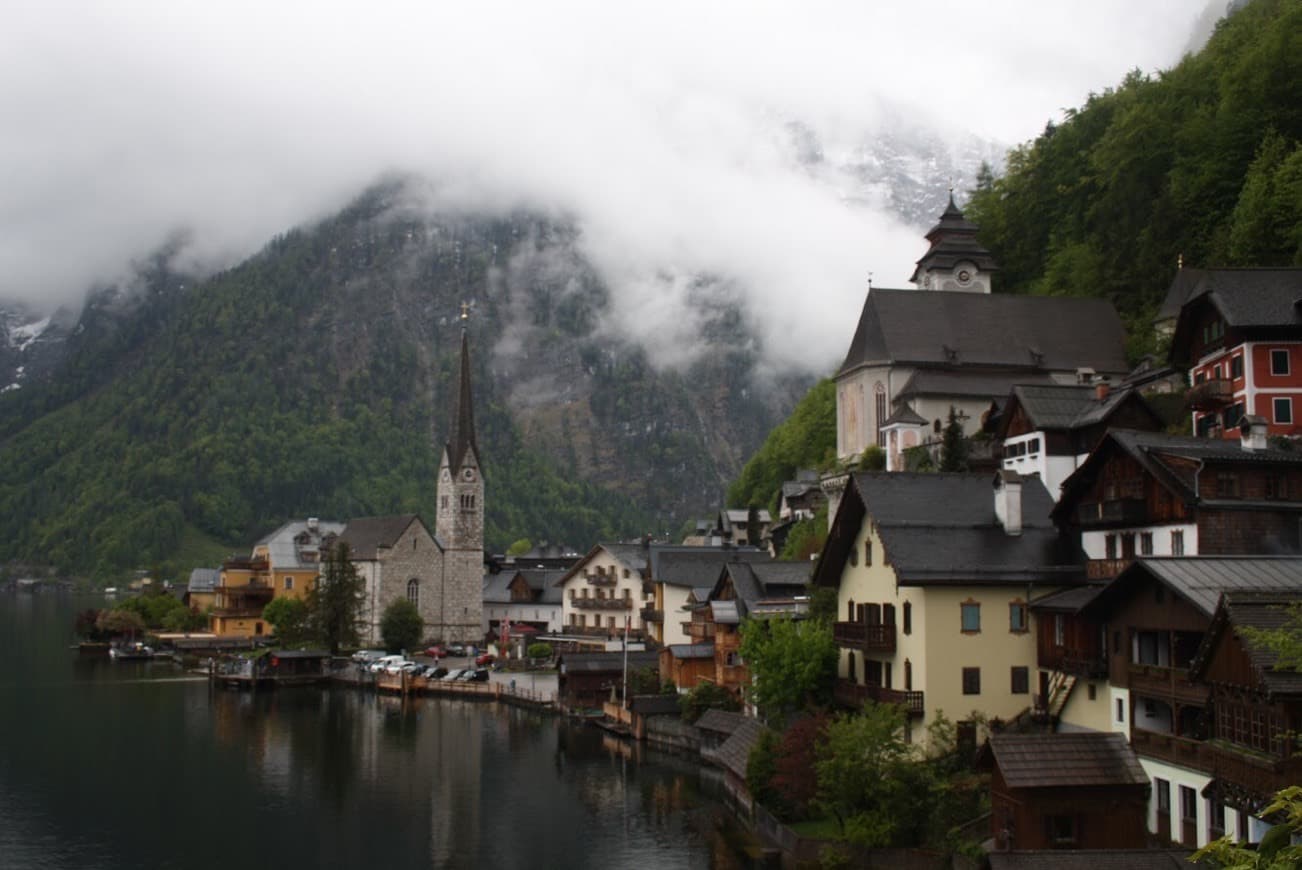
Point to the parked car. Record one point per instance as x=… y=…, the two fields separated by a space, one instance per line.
x=382 y=664
x=436 y=673
x=367 y=656
x=437 y=652
x=456 y=649
x=453 y=675
x=485 y=659
x=467 y=675
x=479 y=675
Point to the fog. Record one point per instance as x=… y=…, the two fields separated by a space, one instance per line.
x=663 y=128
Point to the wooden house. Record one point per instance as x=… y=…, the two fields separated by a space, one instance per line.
x=1150 y=494
x=1255 y=709
x=587 y=680
x=759 y=590
x=686 y=664
x=1065 y=791
x=1154 y=619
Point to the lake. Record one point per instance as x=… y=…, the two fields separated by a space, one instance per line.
x=108 y=765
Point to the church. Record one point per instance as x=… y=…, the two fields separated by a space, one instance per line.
x=951 y=342
x=440 y=571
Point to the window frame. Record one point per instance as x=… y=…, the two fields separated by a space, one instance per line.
x=1285 y=402
x=1018 y=607
x=971 y=681
x=966 y=608
x=1020 y=680
x=1280 y=353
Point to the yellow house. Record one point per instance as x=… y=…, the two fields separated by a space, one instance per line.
x=934 y=574
x=286 y=563
x=605 y=588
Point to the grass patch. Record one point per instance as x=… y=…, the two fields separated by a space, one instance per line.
x=818 y=829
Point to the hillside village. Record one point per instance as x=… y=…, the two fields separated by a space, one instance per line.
x=1079 y=603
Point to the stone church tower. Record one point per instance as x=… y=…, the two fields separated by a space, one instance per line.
x=459 y=527
x=955 y=260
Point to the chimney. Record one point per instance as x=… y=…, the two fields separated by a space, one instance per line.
x=1252 y=432
x=1008 y=501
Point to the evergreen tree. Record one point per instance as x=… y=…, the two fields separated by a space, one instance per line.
x=335 y=600
x=953 y=446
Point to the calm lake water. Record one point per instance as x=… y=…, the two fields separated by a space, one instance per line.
x=106 y=766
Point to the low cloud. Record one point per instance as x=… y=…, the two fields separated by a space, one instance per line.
x=664 y=128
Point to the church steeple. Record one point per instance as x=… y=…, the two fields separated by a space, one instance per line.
x=955 y=260
x=463 y=441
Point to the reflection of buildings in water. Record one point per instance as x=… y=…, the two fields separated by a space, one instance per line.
x=450 y=763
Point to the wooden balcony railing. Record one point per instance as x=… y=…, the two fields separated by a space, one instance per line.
x=602 y=631
x=1112 y=512
x=603 y=603
x=1171 y=748
x=1106 y=569
x=699 y=631
x=864 y=636
x=1170 y=684
x=1077 y=662
x=853 y=696
x=1250 y=770
x=1210 y=395
x=601 y=579
x=650 y=614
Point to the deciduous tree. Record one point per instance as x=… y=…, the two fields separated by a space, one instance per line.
x=792 y=664
x=401 y=626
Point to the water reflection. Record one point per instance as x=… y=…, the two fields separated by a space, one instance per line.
x=129 y=765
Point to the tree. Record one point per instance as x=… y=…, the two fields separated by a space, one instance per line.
x=953 y=446
x=794 y=776
x=520 y=547
x=539 y=651
x=401 y=626
x=706 y=696
x=184 y=619
x=335 y=600
x=873 y=458
x=864 y=767
x=822 y=604
x=1275 y=852
x=290 y=618
x=1284 y=641
x=792 y=664
x=119 y=622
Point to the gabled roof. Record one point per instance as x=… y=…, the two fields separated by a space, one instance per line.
x=941 y=529
x=204 y=579
x=696 y=567
x=1200 y=580
x=1057 y=407
x=734 y=754
x=366 y=535
x=1066 y=760
x=753 y=582
x=719 y=721
x=955 y=329
x=685 y=651
x=953 y=239
x=630 y=556
x=1152 y=450
x=1244 y=297
x=1262 y=611
x=905 y=416
x=1067 y=600
x=283 y=549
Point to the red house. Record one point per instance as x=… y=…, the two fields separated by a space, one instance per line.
x=1239 y=333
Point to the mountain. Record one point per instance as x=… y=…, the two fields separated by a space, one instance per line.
x=1200 y=164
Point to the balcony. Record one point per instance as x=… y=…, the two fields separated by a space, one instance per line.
x=1211 y=395
x=1252 y=771
x=1171 y=748
x=853 y=696
x=601 y=631
x=1111 y=512
x=699 y=632
x=1088 y=664
x=650 y=614
x=1106 y=569
x=878 y=638
x=1166 y=684
x=601 y=579
x=603 y=603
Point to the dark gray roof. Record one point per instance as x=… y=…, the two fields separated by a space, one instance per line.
x=1066 y=406
x=1094 y=859
x=204 y=579
x=1245 y=297
x=753 y=582
x=1261 y=612
x=976 y=384
x=497 y=587
x=719 y=721
x=906 y=415
x=365 y=535
x=941 y=529
x=543 y=582
x=462 y=444
x=1066 y=760
x=1067 y=600
x=656 y=705
x=953 y=239
x=725 y=612
x=734 y=754
x=696 y=567
x=631 y=556
x=604 y=662
x=1027 y=333
x=1200 y=580
x=691 y=650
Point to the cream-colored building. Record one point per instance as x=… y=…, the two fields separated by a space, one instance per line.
x=934 y=576
x=607 y=587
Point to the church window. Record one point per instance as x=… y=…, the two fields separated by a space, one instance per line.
x=444 y=502
x=413 y=591
x=879 y=397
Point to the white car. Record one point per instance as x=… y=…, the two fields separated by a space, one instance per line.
x=367 y=656
x=382 y=664
x=454 y=674
x=399 y=666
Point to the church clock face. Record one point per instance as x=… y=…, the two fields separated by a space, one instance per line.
x=468 y=474
x=963 y=274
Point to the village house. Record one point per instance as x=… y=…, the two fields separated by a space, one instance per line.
x=1065 y=791
x=608 y=592
x=524 y=597
x=1151 y=494
x=1050 y=429
x=952 y=343
x=675 y=571
x=1256 y=711
x=587 y=680
x=1152 y=621
x=1239 y=335
x=934 y=575
x=201 y=591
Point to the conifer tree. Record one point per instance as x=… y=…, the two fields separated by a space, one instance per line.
x=335 y=600
x=953 y=446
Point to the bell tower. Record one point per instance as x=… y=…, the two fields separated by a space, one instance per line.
x=955 y=260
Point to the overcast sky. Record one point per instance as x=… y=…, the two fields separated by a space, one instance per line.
x=659 y=125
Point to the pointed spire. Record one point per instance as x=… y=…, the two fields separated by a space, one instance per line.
x=463 y=420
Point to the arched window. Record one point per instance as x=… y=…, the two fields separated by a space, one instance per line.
x=879 y=409
x=413 y=591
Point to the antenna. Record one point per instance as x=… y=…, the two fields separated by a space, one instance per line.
x=870 y=280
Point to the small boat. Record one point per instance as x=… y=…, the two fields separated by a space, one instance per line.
x=130 y=652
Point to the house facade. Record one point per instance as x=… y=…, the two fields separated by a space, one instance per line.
x=524 y=596
x=934 y=575
x=1239 y=336
x=607 y=589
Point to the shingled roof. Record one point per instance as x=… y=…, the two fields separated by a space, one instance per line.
x=696 y=567
x=1244 y=297
x=1201 y=580
x=992 y=385
x=366 y=535
x=955 y=329
x=1262 y=611
x=941 y=529
x=734 y=754
x=1066 y=760
x=953 y=239
x=1070 y=406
